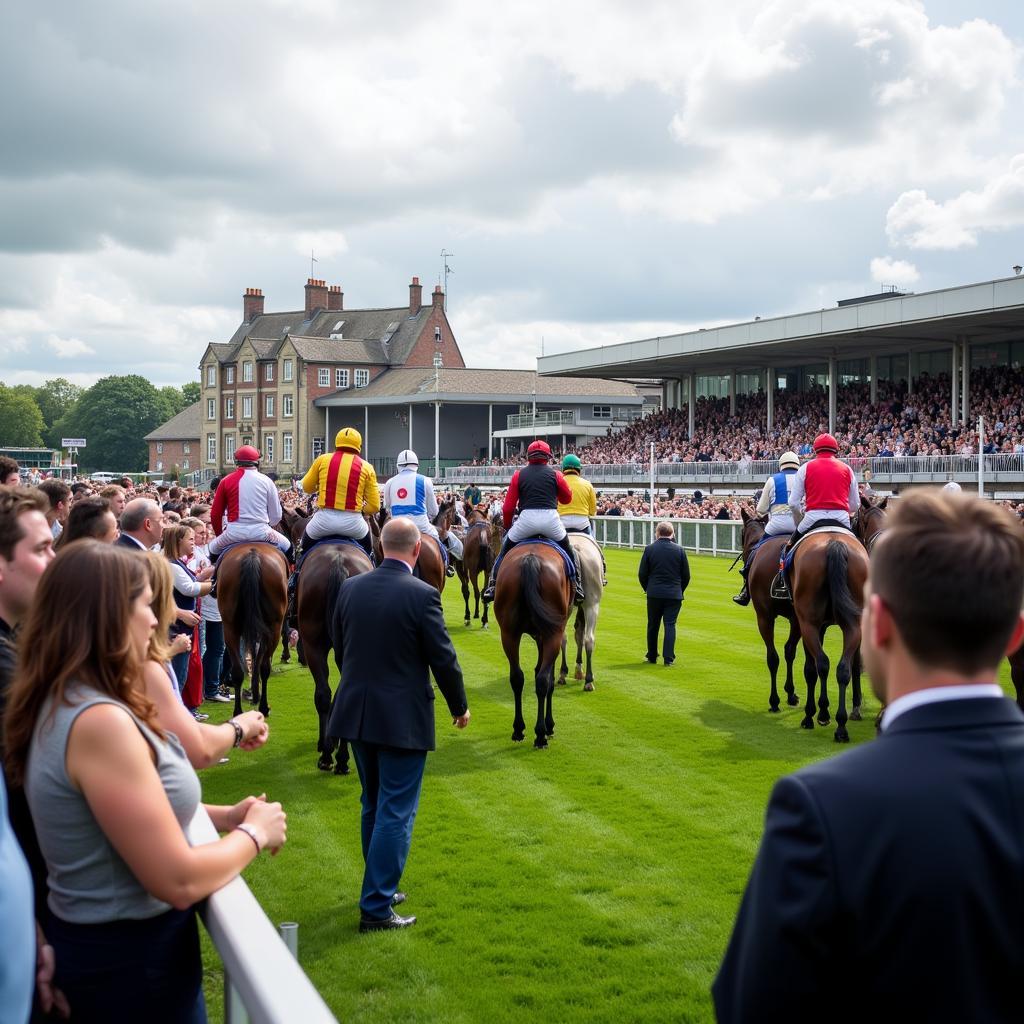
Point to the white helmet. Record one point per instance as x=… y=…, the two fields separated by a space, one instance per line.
x=789 y=460
x=408 y=458
x=952 y=486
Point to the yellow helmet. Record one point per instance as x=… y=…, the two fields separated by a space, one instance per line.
x=348 y=437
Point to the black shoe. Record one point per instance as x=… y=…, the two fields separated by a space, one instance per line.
x=651 y=661
x=743 y=597
x=385 y=924
x=399 y=897
x=668 y=663
x=488 y=595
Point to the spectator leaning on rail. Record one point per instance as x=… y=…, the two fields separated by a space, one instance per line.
x=536 y=491
x=774 y=501
x=411 y=494
x=576 y=515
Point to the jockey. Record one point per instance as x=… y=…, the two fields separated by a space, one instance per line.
x=576 y=514
x=411 y=494
x=774 y=500
x=952 y=487
x=536 y=490
x=825 y=488
x=245 y=506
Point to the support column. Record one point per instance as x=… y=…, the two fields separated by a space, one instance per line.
x=832 y=388
x=965 y=376
x=873 y=373
x=732 y=393
x=769 y=390
x=366 y=433
x=490 y=431
x=328 y=440
x=954 y=375
x=910 y=373
x=503 y=447
x=437 y=440
x=410 y=425
x=691 y=397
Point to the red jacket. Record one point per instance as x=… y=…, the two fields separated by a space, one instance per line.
x=827 y=483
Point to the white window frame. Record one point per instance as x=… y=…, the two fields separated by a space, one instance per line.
x=186 y=448
x=230 y=375
x=184 y=464
x=159 y=465
x=246 y=407
x=229 y=442
x=229 y=408
x=268 y=447
x=211 y=376
x=287 y=370
x=341 y=378
x=601 y=412
x=287 y=406
x=211 y=408
x=211 y=448
x=247 y=371
x=437 y=334
x=323 y=377
x=362 y=378
x=268 y=406
x=318 y=446
x=287 y=447
x=268 y=372
x=159 y=447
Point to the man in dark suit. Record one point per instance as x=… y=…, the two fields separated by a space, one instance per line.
x=888 y=883
x=664 y=577
x=141 y=524
x=389 y=634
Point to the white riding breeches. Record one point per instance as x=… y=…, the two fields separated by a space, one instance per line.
x=537 y=522
x=581 y=523
x=454 y=545
x=779 y=525
x=234 y=533
x=817 y=515
x=333 y=522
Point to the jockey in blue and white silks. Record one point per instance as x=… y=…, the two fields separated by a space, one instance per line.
x=774 y=500
x=409 y=493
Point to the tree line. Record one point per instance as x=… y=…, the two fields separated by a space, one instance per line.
x=114 y=415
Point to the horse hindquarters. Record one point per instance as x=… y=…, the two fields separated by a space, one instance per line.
x=846 y=614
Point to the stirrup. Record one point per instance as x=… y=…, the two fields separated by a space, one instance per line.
x=780 y=589
x=488 y=594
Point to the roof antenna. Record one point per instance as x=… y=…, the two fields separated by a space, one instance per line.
x=447 y=270
x=312 y=260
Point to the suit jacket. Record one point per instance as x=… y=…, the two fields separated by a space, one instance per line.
x=890 y=880
x=664 y=570
x=389 y=634
x=129 y=542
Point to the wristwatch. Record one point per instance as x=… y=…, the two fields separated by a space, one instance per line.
x=251 y=833
x=239 y=733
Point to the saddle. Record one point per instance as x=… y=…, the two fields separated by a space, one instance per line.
x=570 y=566
x=780 y=585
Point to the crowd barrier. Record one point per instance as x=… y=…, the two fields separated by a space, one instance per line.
x=263 y=981
x=701 y=536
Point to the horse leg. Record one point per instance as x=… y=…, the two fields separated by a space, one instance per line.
x=484 y=620
x=322 y=703
x=285 y=649
x=236 y=677
x=516 y=680
x=766 y=627
x=579 y=635
x=564 y=669
x=851 y=652
x=589 y=639
x=544 y=677
x=812 y=649
x=857 y=696
x=789 y=649
x=464 y=580
x=265 y=660
x=823 y=665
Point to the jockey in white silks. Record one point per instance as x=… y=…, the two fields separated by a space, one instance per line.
x=411 y=494
x=246 y=505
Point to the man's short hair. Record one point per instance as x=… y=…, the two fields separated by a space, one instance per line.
x=665 y=529
x=950 y=569
x=174 y=493
x=55 y=490
x=14 y=503
x=399 y=536
x=199 y=509
x=136 y=512
x=7 y=466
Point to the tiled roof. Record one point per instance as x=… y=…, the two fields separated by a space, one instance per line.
x=324 y=350
x=186 y=426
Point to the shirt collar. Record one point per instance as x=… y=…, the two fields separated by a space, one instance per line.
x=935 y=694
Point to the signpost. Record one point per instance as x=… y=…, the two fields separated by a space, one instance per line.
x=71 y=445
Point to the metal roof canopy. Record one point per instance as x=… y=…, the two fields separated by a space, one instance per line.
x=990 y=311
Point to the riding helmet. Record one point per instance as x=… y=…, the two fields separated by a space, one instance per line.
x=826 y=443
x=407 y=458
x=247 y=455
x=348 y=437
x=789 y=460
x=539 y=451
x=571 y=462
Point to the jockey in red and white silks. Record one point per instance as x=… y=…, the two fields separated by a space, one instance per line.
x=245 y=506
x=824 y=488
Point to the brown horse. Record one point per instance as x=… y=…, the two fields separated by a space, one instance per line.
x=323 y=573
x=869 y=522
x=827 y=582
x=430 y=563
x=767 y=608
x=252 y=595
x=480 y=548
x=534 y=596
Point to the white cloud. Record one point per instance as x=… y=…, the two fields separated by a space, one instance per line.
x=886 y=270
x=69 y=348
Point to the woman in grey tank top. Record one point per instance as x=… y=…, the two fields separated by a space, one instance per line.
x=111 y=794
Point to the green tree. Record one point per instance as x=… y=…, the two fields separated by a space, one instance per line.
x=192 y=392
x=172 y=401
x=21 y=422
x=114 y=416
x=56 y=398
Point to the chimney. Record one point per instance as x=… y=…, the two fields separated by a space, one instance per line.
x=438 y=298
x=252 y=304
x=415 y=297
x=335 y=298
x=316 y=296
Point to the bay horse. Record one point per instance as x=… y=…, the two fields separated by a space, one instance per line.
x=533 y=595
x=768 y=608
x=430 y=562
x=293 y=522
x=869 y=522
x=585 y=626
x=827 y=580
x=324 y=572
x=252 y=595
x=480 y=548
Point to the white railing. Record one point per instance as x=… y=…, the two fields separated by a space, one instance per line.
x=263 y=981
x=702 y=536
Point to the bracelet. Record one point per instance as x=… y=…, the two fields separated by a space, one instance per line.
x=251 y=833
x=239 y=734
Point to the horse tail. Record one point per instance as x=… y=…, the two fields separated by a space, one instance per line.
x=336 y=576
x=543 y=619
x=844 y=608
x=250 y=610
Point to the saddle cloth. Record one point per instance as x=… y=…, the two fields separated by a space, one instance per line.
x=332 y=540
x=823 y=529
x=247 y=543
x=570 y=565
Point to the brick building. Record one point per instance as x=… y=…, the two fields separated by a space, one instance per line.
x=175 y=444
x=261 y=386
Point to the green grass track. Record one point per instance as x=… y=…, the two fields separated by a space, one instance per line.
x=596 y=880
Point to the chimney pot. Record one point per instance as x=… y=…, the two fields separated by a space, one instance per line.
x=252 y=304
x=415 y=297
x=438 y=297
x=335 y=298
x=316 y=295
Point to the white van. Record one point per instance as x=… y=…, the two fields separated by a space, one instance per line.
x=106 y=478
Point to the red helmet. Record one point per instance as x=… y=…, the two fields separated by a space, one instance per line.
x=826 y=443
x=538 y=450
x=247 y=454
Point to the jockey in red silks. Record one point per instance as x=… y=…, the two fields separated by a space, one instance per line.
x=246 y=505
x=536 y=491
x=824 y=490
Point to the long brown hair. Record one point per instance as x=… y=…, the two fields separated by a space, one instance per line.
x=172 y=541
x=77 y=633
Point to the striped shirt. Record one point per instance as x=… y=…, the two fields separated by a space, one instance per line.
x=343 y=481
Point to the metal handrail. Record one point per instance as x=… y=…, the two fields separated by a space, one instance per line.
x=263 y=982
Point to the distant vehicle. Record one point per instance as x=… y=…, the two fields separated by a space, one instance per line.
x=106 y=478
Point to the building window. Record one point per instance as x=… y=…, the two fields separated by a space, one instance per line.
x=211 y=376
x=286 y=447
x=362 y=378
x=323 y=377
x=341 y=378
x=268 y=371
x=229 y=408
x=211 y=448
x=211 y=409
x=602 y=412
x=318 y=447
x=186 y=448
x=287 y=370
x=230 y=375
x=247 y=371
x=247 y=439
x=160 y=465
x=159 y=448
x=268 y=406
x=246 y=407
x=287 y=405
x=437 y=335
x=229 y=443
x=268 y=447
x=184 y=464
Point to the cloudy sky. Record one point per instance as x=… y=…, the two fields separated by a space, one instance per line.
x=601 y=170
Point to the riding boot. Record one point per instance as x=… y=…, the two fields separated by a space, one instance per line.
x=579 y=597
x=743 y=597
x=366 y=542
x=604 y=570
x=488 y=594
x=299 y=551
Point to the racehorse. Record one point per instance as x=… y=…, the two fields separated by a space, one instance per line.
x=252 y=595
x=533 y=595
x=869 y=522
x=768 y=608
x=293 y=521
x=430 y=562
x=480 y=548
x=827 y=583
x=586 y=614
x=324 y=571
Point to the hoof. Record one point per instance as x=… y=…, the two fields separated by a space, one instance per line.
x=518 y=737
x=540 y=744
x=842 y=736
x=824 y=719
x=588 y=687
x=325 y=766
x=807 y=723
x=773 y=710
x=855 y=715
x=342 y=769
x=560 y=681
x=793 y=700
x=579 y=672
x=486 y=625
x=467 y=622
